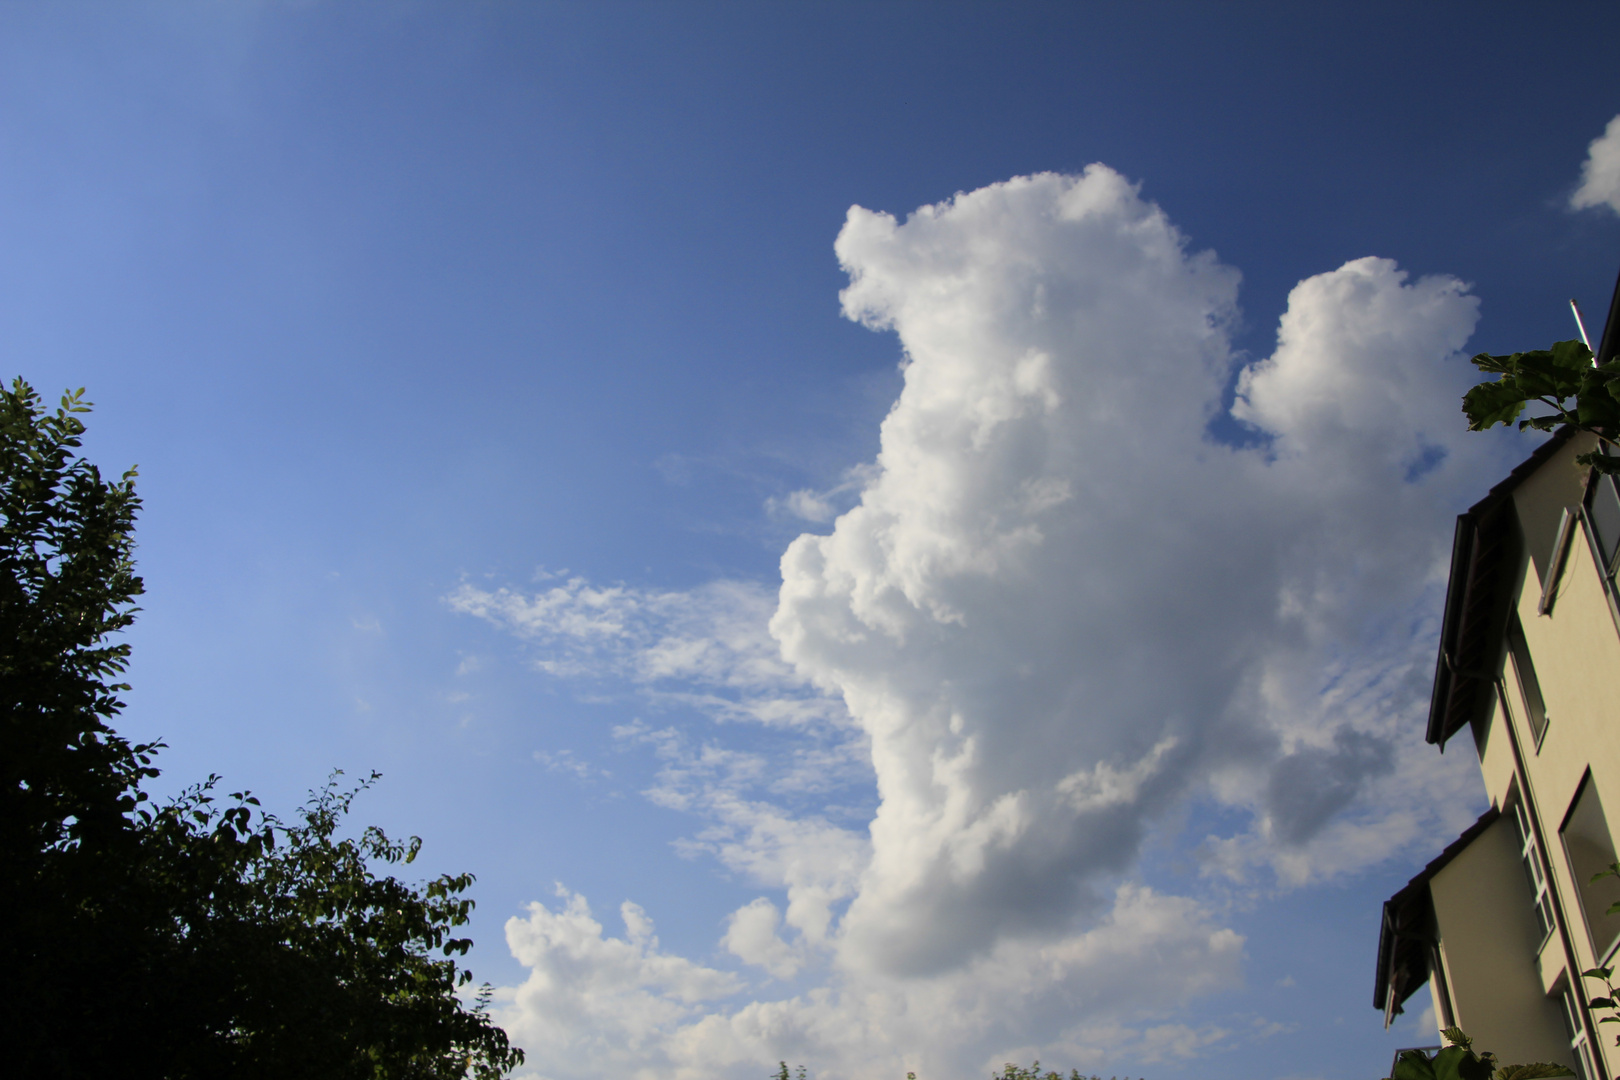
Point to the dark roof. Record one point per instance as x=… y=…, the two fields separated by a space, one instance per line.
x=1407 y=934
x=1484 y=558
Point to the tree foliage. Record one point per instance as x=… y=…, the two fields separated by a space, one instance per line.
x=1010 y=1071
x=1562 y=378
x=67 y=581
x=1609 y=1000
x=204 y=937
x=296 y=958
x=1459 y=1062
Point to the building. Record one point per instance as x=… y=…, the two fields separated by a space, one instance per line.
x=1502 y=923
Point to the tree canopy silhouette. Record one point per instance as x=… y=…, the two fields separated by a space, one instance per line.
x=204 y=937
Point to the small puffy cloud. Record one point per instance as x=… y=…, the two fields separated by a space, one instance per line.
x=1358 y=368
x=820 y=507
x=806 y=504
x=751 y=936
x=1600 y=173
x=604 y=1003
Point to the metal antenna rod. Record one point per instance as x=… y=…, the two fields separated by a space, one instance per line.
x=1580 y=324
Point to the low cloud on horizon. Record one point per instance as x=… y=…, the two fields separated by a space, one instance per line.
x=1058 y=616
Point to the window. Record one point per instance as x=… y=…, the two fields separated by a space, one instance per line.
x=1591 y=851
x=1577 y=1035
x=1529 y=686
x=1603 y=510
x=1530 y=859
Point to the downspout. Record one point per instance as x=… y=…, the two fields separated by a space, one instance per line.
x=1437 y=963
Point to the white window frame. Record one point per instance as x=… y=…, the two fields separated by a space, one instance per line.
x=1578 y=1043
x=1530 y=859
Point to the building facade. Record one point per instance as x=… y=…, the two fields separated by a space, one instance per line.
x=1502 y=924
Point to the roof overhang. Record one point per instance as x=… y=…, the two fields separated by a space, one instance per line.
x=1484 y=564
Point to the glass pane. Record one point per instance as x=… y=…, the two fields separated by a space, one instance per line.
x=1591 y=850
x=1529 y=685
x=1577 y=1035
x=1603 y=503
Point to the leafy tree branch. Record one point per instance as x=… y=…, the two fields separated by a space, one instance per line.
x=1561 y=378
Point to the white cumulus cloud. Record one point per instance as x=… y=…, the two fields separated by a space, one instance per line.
x=751 y=934
x=1057 y=611
x=1600 y=173
x=1057 y=585
x=601 y=1001
x=598 y=1005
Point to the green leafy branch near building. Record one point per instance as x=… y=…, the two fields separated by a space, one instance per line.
x=1459 y=1061
x=1563 y=378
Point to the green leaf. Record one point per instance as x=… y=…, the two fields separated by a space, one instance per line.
x=1572 y=356
x=1467 y=1065
x=1413 y=1065
x=1543 y=423
x=1532 y=1072
x=1492 y=403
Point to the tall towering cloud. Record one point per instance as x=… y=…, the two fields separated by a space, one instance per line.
x=1060 y=610
x=1060 y=604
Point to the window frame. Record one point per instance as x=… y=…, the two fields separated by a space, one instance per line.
x=1596 y=483
x=1524 y=674
x=1535 y=872
x=1604 y=953
x=1606 y=573
x=1575 y=1031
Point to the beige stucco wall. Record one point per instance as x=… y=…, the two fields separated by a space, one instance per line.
x=1576 y=649
x=1541 y=497
x=1499 y=983
x=1496 y=764
x=1539 y=502
x=1500 y=974
x=1488 y=945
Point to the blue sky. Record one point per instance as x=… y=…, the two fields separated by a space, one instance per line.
x=482 y=363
